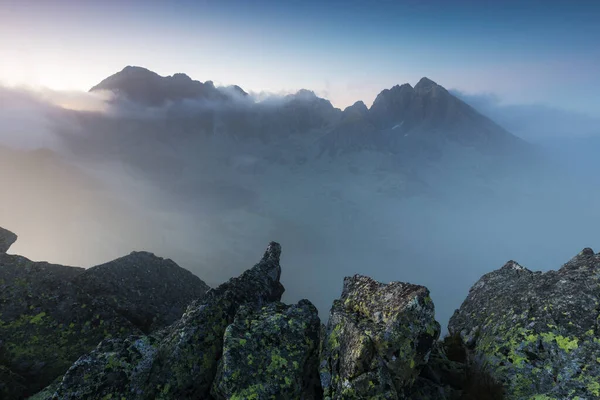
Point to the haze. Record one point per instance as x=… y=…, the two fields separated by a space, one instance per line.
x=86 y=179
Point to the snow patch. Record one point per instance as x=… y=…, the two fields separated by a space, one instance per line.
x=398 y=125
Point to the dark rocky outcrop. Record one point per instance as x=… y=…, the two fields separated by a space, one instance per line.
x=50 y=314
x=518 y=335
x=441 y=379
x=7 y=238
x=538 y=332
x=451 y=374
x=46 y=323
x=378 y=338
x=179 y=362
x=149 y=291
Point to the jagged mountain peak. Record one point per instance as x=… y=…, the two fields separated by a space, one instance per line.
x=358 y=106
x=425 y=84
x=403 y=118
x=146 y=87
x=134 y=69
x=182 y=77
x=403 y=88
x=303 y=94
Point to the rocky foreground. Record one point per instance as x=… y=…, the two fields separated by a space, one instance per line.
x=122 y=331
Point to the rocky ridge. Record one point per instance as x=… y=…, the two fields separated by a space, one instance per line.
x=518 y=335
x=539 y=332
x=50 y=314
x=401 y=120
x=146 y=87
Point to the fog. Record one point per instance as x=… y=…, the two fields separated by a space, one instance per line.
x=116 y=178
x=536 y=123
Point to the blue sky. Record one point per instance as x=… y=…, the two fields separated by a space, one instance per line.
x=522 y=51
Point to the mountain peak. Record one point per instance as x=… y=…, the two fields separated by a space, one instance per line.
x=304 y=94
x=135 y=70
x=425 y=84
x=146 y=87
x=182 y=77
x=356 y=110
x=359 y=106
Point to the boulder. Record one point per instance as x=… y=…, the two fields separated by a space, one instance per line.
x=377 y=340
x=272 y=352
x=539 y=333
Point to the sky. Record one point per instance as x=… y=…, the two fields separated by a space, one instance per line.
x=523 y=52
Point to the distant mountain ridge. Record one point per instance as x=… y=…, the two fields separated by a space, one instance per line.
x=148 y=88
x=402 y=119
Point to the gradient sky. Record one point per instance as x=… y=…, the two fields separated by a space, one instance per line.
x=544 y=52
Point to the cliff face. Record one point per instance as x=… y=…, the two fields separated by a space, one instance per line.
x=518 y=335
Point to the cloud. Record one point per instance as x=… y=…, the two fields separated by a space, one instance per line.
x=534 y=122
x=125 y=178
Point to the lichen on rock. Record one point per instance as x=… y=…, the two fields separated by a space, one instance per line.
x=271 y=352
x=181 y=360
x=539 y=332
x=50 y=314
x=377 y=339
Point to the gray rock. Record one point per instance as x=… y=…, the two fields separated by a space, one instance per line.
x=50 y=315
x=46 y=322
x=538 y=332
x=271 y=353
x=378 y=338
x=7 y=238
x=181 y=360
x=149 y=291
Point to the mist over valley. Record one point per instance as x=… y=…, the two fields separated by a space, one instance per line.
x=419 y=187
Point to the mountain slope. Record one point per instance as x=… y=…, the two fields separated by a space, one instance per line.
x=404 y=119
x=415 y=123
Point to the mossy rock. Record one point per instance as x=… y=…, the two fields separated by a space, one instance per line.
x=538 y=332
x=179 y=361
x=377 y=339
x=271 y=352
x=50 y=315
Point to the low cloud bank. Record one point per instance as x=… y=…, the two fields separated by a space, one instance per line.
x=117 y=178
